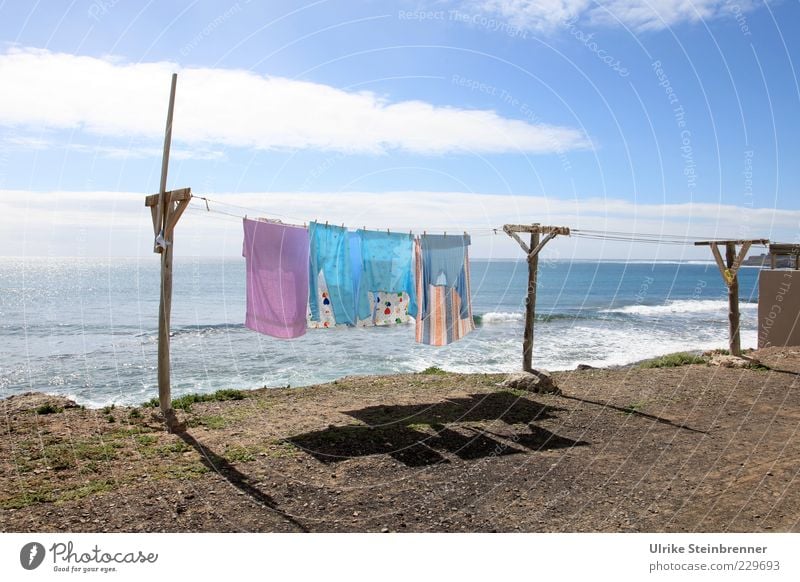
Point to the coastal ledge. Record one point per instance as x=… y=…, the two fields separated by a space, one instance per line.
x=684 y=448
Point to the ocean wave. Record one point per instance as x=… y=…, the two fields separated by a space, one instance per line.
x=679 y=306
x=499 y=317
x=512 y=316
x=197 y=330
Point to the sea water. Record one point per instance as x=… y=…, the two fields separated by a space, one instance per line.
x=87 y=328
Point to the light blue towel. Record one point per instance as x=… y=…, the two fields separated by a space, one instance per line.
x=330 y=253
x=387 y=266
x=354 y=238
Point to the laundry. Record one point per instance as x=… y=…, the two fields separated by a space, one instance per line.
x=356 y=278
x=386 y=261
x=384 y=309
x=443 y=289
x=330 y=255
x=277 y=257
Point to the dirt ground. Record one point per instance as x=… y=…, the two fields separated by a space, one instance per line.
x=691 y=448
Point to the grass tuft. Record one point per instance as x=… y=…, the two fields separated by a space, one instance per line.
x=185 y=402
x=674 y=360
x=433 y=371
x=48 y=409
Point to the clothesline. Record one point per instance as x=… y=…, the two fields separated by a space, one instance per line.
x=587 y=234
x=253 y=212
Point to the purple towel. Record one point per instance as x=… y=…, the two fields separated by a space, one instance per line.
x=277 y=278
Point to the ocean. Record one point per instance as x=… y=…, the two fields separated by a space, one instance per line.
x=87 y=328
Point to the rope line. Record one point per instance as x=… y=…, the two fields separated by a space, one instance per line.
x=586 y=234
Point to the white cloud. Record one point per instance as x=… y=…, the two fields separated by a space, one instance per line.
x=548 y=15
x=114 y=223
x=112 y=152
x=238 y=108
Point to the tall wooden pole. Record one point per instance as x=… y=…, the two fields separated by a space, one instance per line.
x=532 y=256
x=165 y=209
x=530 y=306
x=733 y=301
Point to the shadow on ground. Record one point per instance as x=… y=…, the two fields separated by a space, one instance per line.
x=418 y=435
x=242 y=482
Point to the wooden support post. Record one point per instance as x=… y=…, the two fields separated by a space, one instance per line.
x=729 y=269
x=532 y=255
x=734 y=342
x=530 y=306
x=166 y=208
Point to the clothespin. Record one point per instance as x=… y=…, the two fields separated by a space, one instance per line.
x=343 y=225
x=445 y=234
x=207 y=208
x=424 y=233
x=326 y=223
x=387 y=232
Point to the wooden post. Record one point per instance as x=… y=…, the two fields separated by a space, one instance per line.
x=532 y=255
x=166 y=208
x=729 y=269
x=734 y=342
x=530 y=306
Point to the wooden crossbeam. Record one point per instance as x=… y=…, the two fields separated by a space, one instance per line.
x=536 y=228
x=175 y=196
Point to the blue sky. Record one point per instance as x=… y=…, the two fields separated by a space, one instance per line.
x=659 y=116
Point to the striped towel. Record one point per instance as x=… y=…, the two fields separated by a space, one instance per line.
x=439 y=320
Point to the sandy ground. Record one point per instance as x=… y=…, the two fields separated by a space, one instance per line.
x=692 y=448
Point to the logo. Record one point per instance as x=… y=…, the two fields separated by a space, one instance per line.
x=31 y=555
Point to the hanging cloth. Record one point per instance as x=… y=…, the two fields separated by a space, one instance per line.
x=386 y=270
x=443 y=289
x=325 y=318
x=276 y=258
x=330 y=255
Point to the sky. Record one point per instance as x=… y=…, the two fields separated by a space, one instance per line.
x=650 y=116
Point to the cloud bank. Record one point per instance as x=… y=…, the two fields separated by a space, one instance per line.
x=238 y=108
x=118 y=224
x=640 y=15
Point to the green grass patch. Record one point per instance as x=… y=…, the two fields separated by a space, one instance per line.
x=634 y=407
x=62 y=455
x=146 y=440
x=212 y=421
x=48 y=409
x=27 y=498
x=281 y=449
x=239 y=454
x=181 y=471
x=176 y=448
x=90 y=488
x=185 y=402
x=758 y=367
x=433 y=371
x=673 y=360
